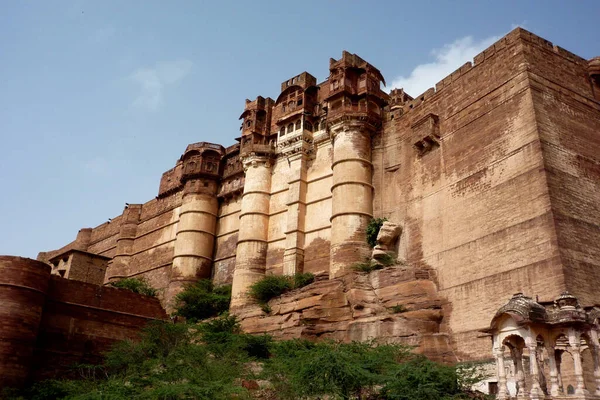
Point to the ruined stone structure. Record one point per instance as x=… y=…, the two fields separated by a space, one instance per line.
x=493 y=178
x=547 y=349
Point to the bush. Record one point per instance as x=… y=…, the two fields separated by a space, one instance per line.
x=303 y=279
x=398 y=309
x=373 y=230
x=269 y=287
x=135 y=285
x=201 y=300
x=301 y=369
x=272 y=286
x=421 y=379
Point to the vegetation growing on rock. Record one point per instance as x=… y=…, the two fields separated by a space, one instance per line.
x=135 y=285
x=272 y=286
x=373 y=230
x=202 y=300
x=216 y=361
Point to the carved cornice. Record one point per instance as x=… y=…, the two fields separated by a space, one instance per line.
x=298 y=144
x=347 y=123
x=255 y=160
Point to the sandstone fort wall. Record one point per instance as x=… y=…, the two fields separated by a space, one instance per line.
x=492 y=175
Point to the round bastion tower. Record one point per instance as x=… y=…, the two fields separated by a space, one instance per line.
x=355 y=103
x=194 y=240
x=256 y=153
x=23 y=286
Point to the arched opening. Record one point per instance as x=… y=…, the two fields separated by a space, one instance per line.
x=515 y=345
x=290 y=128
x=587 y=362
x=565 y=363
x=543 y=364
x=298 y=125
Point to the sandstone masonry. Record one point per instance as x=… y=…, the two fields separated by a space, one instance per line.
x=493 y=177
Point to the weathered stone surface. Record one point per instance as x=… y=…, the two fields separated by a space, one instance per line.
x=493 y=177
x=357 y=307
x=386 y=239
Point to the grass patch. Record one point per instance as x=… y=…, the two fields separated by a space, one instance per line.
x=202 y=300
x=398 y=309
x=366 y=266
x=386 y=260
x=135 y=285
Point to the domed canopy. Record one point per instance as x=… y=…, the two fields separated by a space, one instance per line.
x=522 y=309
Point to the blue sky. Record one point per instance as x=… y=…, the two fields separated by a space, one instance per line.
x=98 y=98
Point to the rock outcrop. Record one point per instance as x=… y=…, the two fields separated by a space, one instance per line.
x=397 y=304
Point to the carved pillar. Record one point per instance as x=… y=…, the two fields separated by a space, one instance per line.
x=534 y=372
x=293 y=257
x=554 y=382
x=194 y=240
x=119 y=267
x=251 y=255
x=517 y=356
x=502 y=383
x=574 y=342
x=352 y=195
x=595 y=350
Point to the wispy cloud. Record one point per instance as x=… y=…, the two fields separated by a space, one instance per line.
x=447 y=60
x=153 y=81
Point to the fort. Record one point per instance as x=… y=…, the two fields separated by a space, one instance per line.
x=492 y=178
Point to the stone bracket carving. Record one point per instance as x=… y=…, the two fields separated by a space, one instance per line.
x=427 y=133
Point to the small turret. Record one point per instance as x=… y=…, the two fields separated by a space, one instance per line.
x=256 y=126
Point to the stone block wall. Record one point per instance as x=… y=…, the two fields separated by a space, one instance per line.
x=49 y=323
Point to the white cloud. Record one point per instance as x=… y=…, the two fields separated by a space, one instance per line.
x=153 y=81
x=447 y=60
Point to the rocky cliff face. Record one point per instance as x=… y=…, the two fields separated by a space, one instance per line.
x=360 y=306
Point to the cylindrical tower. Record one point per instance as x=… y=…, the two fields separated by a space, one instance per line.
x=352 y=195
x=23 y=286
x=355 y=101
x=195 y=237
x=251 y=256
x=119 y=268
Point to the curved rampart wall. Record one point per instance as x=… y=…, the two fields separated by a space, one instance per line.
x=23 y=287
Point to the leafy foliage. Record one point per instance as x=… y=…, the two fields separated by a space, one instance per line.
x=373 y=230
x=303 y=279
x=272 y=286
x=300 y=369
x=136 y=285
x=398 y=309
x=201 y=300
x=211 y=360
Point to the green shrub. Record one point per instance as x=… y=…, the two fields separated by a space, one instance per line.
x=136 y=285
x=303 y=279
x=373 y=230
x=386 y=260
x=301 y=369
x=398 y=309
x=272 y=286
x=421 y=379
x=201 y=300
x=269 y=287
